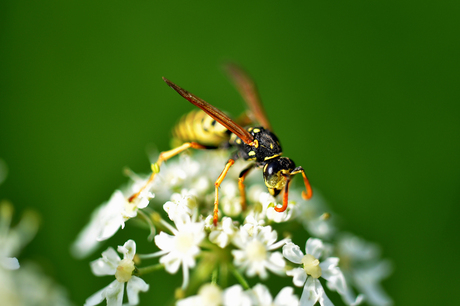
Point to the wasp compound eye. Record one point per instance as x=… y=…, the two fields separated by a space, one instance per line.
x=276 y=171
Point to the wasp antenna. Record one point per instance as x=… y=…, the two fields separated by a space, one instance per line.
x=309 y=192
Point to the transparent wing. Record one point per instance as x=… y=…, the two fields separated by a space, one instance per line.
x=215 y=113
x=248 y=91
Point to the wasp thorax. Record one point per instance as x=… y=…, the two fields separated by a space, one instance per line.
x=276 y=172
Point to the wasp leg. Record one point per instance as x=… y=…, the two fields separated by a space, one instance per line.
x=306 y=195
x=164 y=156
x=217 y=184
x=285 y=196
x=241 y=185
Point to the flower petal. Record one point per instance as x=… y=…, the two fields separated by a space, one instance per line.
x=96 y=298
x=313 y=292
x=368 y=282
x=164 y=241
x=114 y=293
x=336 y=281
x=234 y=296
x=314 y=247
x=106 y=265
x=299 y=276
x=195 y=300
x=330 y=265
x=10 y=263
x=286 y=297
x=276 y=263
x=293 y=253
x=171 y=262
x=135 y=284
x=128 y=249
x=110 y=216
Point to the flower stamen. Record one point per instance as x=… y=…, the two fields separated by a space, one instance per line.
x=311 y=266
x=256 y=251
x=124 y=270
x=184 y=242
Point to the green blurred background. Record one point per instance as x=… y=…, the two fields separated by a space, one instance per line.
x=363 y=94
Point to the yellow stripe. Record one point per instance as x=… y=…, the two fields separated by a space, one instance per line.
x=197 y=126
x=270 y=157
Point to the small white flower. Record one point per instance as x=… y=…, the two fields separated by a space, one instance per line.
x=312 y=214
x=254 y=254
x=262 y=297
x=368 y=281
x=357 y=249
x=269 y=202
x=29 y=285
x=212 y=295
x=264 y=206
x=364 y=268
x=208 y=295
x=185 y=172
x=312 y=269
x=252 y=224
x=224 y=232
x=254 y=191
x=173 y=174
x=258 y=209
x=107 y=219
x=181 y=248
x=181 y=203
x=235 y=296
x=202 y=184
x=230 y=200
x=122 y=269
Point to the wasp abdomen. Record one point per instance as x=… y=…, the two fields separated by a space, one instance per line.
x=197 y=126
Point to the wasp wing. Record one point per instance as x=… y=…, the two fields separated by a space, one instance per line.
x=215 y=113
x=248 y=91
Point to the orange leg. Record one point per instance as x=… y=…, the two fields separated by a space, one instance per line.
x=309 y=193
x=241 y=186
x=306 y=195
x=164 y=156
x=285 y=196
x=217 y=184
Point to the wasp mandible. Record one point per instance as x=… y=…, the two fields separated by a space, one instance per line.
x=258 y=144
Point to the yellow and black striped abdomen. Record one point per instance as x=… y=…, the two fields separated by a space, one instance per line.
x=199 y=127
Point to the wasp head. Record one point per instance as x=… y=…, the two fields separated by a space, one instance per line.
x=276 y=173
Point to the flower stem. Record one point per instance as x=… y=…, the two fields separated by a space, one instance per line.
x=148 y=269
x=149 y=223
x=239 y=277
x=214 y=275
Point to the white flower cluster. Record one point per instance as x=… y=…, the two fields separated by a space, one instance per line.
x=178 y=208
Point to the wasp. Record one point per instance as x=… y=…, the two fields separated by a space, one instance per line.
x=257 y=144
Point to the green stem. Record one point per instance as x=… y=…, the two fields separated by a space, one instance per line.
x=239 y=277
x=149 y=223
x=149 y=269
x=223 y=275
x=214 y=275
